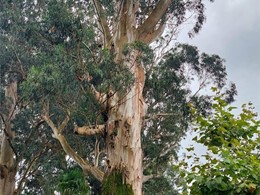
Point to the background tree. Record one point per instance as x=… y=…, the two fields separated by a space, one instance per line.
x=89 y=67
x=231 y=163
x=29 y=155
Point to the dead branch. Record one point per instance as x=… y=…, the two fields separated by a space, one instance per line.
x=89 y=130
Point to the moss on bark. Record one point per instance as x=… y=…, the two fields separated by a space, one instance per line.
x=114 y=184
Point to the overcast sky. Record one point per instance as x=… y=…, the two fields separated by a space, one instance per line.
x=232 y=30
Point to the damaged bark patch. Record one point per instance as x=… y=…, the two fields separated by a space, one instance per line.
x=3 y=171
x=114 y=184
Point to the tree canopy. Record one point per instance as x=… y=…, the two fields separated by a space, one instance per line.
x=78 y=66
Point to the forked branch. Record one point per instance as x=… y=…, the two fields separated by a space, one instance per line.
x=64 y=123
x=100 y=97
x=86 y=166
x=150 y=23
x=150 y=37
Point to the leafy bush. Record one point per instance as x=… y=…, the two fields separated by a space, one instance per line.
x=232 y=162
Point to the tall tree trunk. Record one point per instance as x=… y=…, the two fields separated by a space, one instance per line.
x=123 y=139
x=7 y=161
x=124 y=131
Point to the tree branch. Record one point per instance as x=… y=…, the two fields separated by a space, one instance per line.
x=153 y=19
x=97 y=152
x=102 y=20
x=30 y=164
x=64 y=123
x=97 y=173
x=168 y=148
x=100 y=97
x=91 y=52
x=150 y=37
x=148 y=177
x=89 y=130
x=155 y=116
x=20 y=65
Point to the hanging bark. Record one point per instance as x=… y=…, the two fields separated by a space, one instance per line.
x=7 y=160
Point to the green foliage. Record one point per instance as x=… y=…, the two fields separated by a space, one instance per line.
x=232 y=163
x=158 y=185
x=114 y=184
x=167 y=91
x=72 y=182
x=52 y=46
x=108 y=75
x=146 y=56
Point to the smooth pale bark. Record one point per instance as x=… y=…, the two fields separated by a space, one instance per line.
x=57 y=134
x=123 y=130
x=89 y=130
x=123 y=138
x=7 y=161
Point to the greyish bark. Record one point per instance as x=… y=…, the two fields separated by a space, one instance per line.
x=7 y=161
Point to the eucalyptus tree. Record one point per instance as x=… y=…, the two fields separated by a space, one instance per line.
x=24 y=140
x=103 y=70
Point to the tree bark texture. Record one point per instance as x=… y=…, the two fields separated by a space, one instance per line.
x=7 y=161
x=123 y=136
x=122 y=130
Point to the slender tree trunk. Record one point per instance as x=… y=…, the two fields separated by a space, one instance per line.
x=7 y=161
